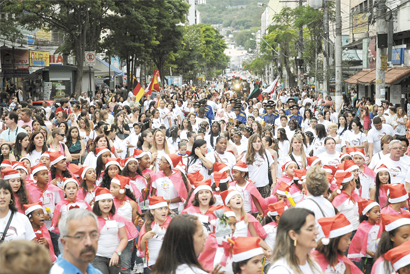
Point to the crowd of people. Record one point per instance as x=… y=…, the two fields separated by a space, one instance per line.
x=200 y=180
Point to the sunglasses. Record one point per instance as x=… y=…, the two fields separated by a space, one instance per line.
x=61 y=134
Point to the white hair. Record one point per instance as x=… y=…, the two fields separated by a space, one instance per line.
x=395 y=141
x=74 y=214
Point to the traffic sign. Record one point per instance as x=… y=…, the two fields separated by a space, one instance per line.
x=301 y=77
x=90 y=58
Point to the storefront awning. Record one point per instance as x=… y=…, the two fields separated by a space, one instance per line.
x=353 y=80
x=117 y=72
x=396 y=74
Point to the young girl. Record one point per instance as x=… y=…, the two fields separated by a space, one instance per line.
x=103 y=154
x=253 y=201
x=396 y=231
x=272 y=220
x=366 y=175
x=313 y=161
x=182 y=151
x=20 y=167
x=143 y=179
x=329 y=252
x=169 y=183
x=21 y=145
x=174 y=139
x=35 y=213
x=113 y=235
x=45 y=159
x=112 y=168
x=363 y=247
x=246 y=224
x=124 y=201
x=247 y=256
x=87 y=188
x=130 y=170
x=288 y=173
x=202 y=203
x=6 y=153
x=346 y=200
x=398 y=200
x=58 y=169
x=378 y=193
x=153 y=230
x=75 y=145
x=71 y=201
x=21 y=196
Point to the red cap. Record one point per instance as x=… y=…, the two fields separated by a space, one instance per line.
x=399 y=256
x=122 y=181
x=330 y=169
x=102 y=193
x=397 y=193
x=391 y=222
x=220 y=177
x=285 y=166
x=157 y=202
x=241 y=166
x=300 y=174
x=173 y=159
x=10 y=173
x=366 y=205
x=220 y=167
x=203 y=185
x=31 y=207
x=350 y=165
x=334 y=227
x=276 y=209
x=311 y=161
x=282 y=188
x=56 y=157
x=246 y=248
x=228 y=194
x=101 y=150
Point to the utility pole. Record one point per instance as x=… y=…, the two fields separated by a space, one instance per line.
x=338 y=55
x=326 y=48
x=300 y=52
x=381 y=51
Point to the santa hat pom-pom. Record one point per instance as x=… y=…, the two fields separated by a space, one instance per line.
x=325 y=241
x=122 y=191
x=338 y=191
x=217 y=189
x=213 y=222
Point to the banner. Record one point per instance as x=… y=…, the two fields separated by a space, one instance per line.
x=39 y=58
x=21 y=58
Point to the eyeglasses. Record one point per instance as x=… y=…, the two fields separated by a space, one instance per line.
x=61 y=134
x=81 y=237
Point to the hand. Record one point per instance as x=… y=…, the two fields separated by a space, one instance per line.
x=54 y=182
x=47 y=217
x=114 y=259
x=43 y=241
x=149 y=235
x=198 y=152
x=267 y=252
x=148 y=178
x=216 y=269
x=154 y=157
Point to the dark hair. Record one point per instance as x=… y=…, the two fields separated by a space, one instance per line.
x=357 y=122
x=32 y=146
x=211 y=134
x=65 y=173
x=377 y=120
x=193 y=157
x=141 y=138
x=321 y=131
x=96 y=141
x=283 y=135
x=13 y=116
x=268 y=139
x=236 y=266
x=5 y=185
x=195 y=201
x=173 y=133
x=386 y=244
x=66 y=126
x=378 y=184
x=331 y=250
x=178 y=245
x=97 y=210
x=70 y=138
x=106 y=180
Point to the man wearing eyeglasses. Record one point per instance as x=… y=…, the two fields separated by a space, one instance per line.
x=79 y=237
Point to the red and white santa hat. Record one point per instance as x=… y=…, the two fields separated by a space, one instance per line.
x=355 y=151
x=102 y=193
x=10 y=173
x=229 y=212
x=246 y=248
x=286 y=165
x=334 y=227
x=220 y=167
x=181 y=167
x=173 y=159
x=391 y=222
x=69 y=180
x=113 y=162
x=124 y=162
x=6 y=163
x=343 y=155
x=202 y=185
x=300 y=174
x=79 y=171
x=342 y=178
x=20 y=166
x=101 y=150
x=283 y=187
x=382 y=168
x=122 y=181
x=350 y=165
x=276 y=209
x=195 y=177
x=240 y=166
x=157 y=202
x=399 y=256
x=366 y=205
x=311 y=161
x=45 y=154
x=220 y=177
x=56 y=157
x=397 y=193
x=138 y=153
x=39 y=167
x=330 y=169
x=31 y=207
x=25 y=158
x=228 y=194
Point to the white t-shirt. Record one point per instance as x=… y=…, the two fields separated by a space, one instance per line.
x=109 y=238
x=20 y=227
x=329 y=159
x=397 y=169
x=318 y=146
x=258 y=171
x=282 y=267
x=246 y=196
x=162 y=112
x=374 y=136
x=227 y=158
x=186 y=269
x=356 y=139
x=367 y=183
x=283 y=150
x=166 y=189
x=197 y=165
x=34 y=157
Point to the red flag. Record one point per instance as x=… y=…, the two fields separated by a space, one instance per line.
x=154 y=84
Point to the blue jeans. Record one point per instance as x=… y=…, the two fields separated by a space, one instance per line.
x=126 y=258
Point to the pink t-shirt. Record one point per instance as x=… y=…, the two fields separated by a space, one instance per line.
x=21 y=123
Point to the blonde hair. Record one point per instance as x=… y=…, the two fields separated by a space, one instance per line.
x=243 y=212
x=302 y=149
x=24 y=257
x=332 y=125
x=154 y=144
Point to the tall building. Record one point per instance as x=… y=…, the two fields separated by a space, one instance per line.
x=194 y=16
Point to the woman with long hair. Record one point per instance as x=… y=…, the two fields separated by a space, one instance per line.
x=99 y=142
x=340 y=143
x=213 y=134
x=283 y=145
x=58 y=169
x=296 y=152
x=257 y=128
x=306 y=120
x=197 y=160
x=356 y=138
x=122 y=130
x=86 y=133
x=96 y=117
x=145 y=141
x=37 y=147
x=185 y=127
x=192 y=118
x=296 y=237
x=319 y=142
x=87 y=177
x=76 y=147
x=159 y=148
x=342 y=127
x=21 y=196
x=260 y=165
x=401 y=121
x=173 y=138
x=117 y=146
x=56 y=143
